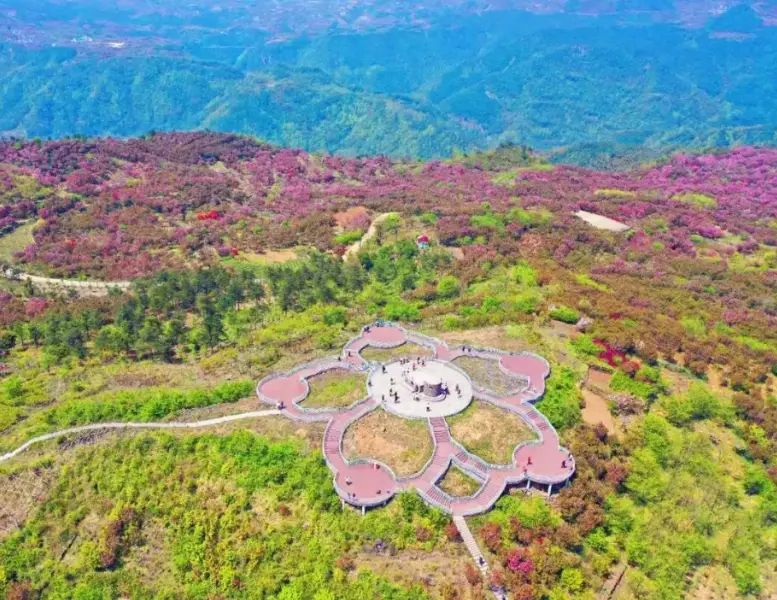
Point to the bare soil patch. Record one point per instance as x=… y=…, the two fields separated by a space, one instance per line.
x=564 y=330
x=457 y=483
x=403 y=445
x=490 y=432
x=487 y=374
x=596 y=411
x=335 y=389
x=390 y=354
x=599 y=380
x=20 y=495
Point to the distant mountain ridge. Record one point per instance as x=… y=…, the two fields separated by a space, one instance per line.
x=465 y=81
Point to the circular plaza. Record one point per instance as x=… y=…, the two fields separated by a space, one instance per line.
x=420 y=388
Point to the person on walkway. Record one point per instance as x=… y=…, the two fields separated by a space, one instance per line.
x=528 y=460
x=563 y=464
x=348 y=481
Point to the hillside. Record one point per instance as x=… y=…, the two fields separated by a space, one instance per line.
x=659 y=338
x=440 y=81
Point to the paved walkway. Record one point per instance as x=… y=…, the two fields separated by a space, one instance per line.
x=94 y=288
x=105 y=426
x=367 y=482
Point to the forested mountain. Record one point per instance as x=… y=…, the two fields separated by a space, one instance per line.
x=237 y=264
x=456 y=79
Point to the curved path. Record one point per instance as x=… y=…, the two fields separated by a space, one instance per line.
x=354 y=248
x=104 y=426
x=93 y=287
x=367 y=483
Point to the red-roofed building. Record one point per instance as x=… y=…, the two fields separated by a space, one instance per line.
x=422 y=241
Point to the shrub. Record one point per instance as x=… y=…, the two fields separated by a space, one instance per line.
x=491 y=534
x=562 y=401
x=565 y=315
x=146 y=405
x=472 y=575
x=524 y=274
x=527 y=303
x=335 y=316
x=399 y=310
x=448 y=287
x=585 y=346
x=452 y=532
x=349 y=237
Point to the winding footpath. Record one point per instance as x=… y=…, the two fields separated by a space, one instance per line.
x=85 y=287
x=354 y=248
x=107 y=426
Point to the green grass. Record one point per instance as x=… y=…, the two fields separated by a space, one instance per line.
x=389 y=354
x=16 y=241
x=700 y=200
x=457 y=483
x=335 y=389
x=507 y=178
x=490 y=432
x=614 y=193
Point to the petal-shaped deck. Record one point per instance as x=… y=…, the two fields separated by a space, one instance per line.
x=368 y=483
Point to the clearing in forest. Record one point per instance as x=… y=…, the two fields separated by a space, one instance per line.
x=335 y=389
x=403 y=445
x=490 y=432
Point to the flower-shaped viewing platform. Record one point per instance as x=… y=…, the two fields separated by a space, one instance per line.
x=429 y=388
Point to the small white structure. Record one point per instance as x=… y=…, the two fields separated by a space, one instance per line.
x=601 y=222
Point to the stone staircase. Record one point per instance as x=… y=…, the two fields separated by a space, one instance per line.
x=438 y=498
x=471 y=544
x=439 y=430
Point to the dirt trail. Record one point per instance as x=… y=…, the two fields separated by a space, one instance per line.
x=354 y=248
x=95 y=288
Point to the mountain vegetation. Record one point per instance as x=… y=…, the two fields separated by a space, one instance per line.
x=673 y=321
x=592 y=87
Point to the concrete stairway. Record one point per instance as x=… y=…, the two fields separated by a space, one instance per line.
x=471 y=544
